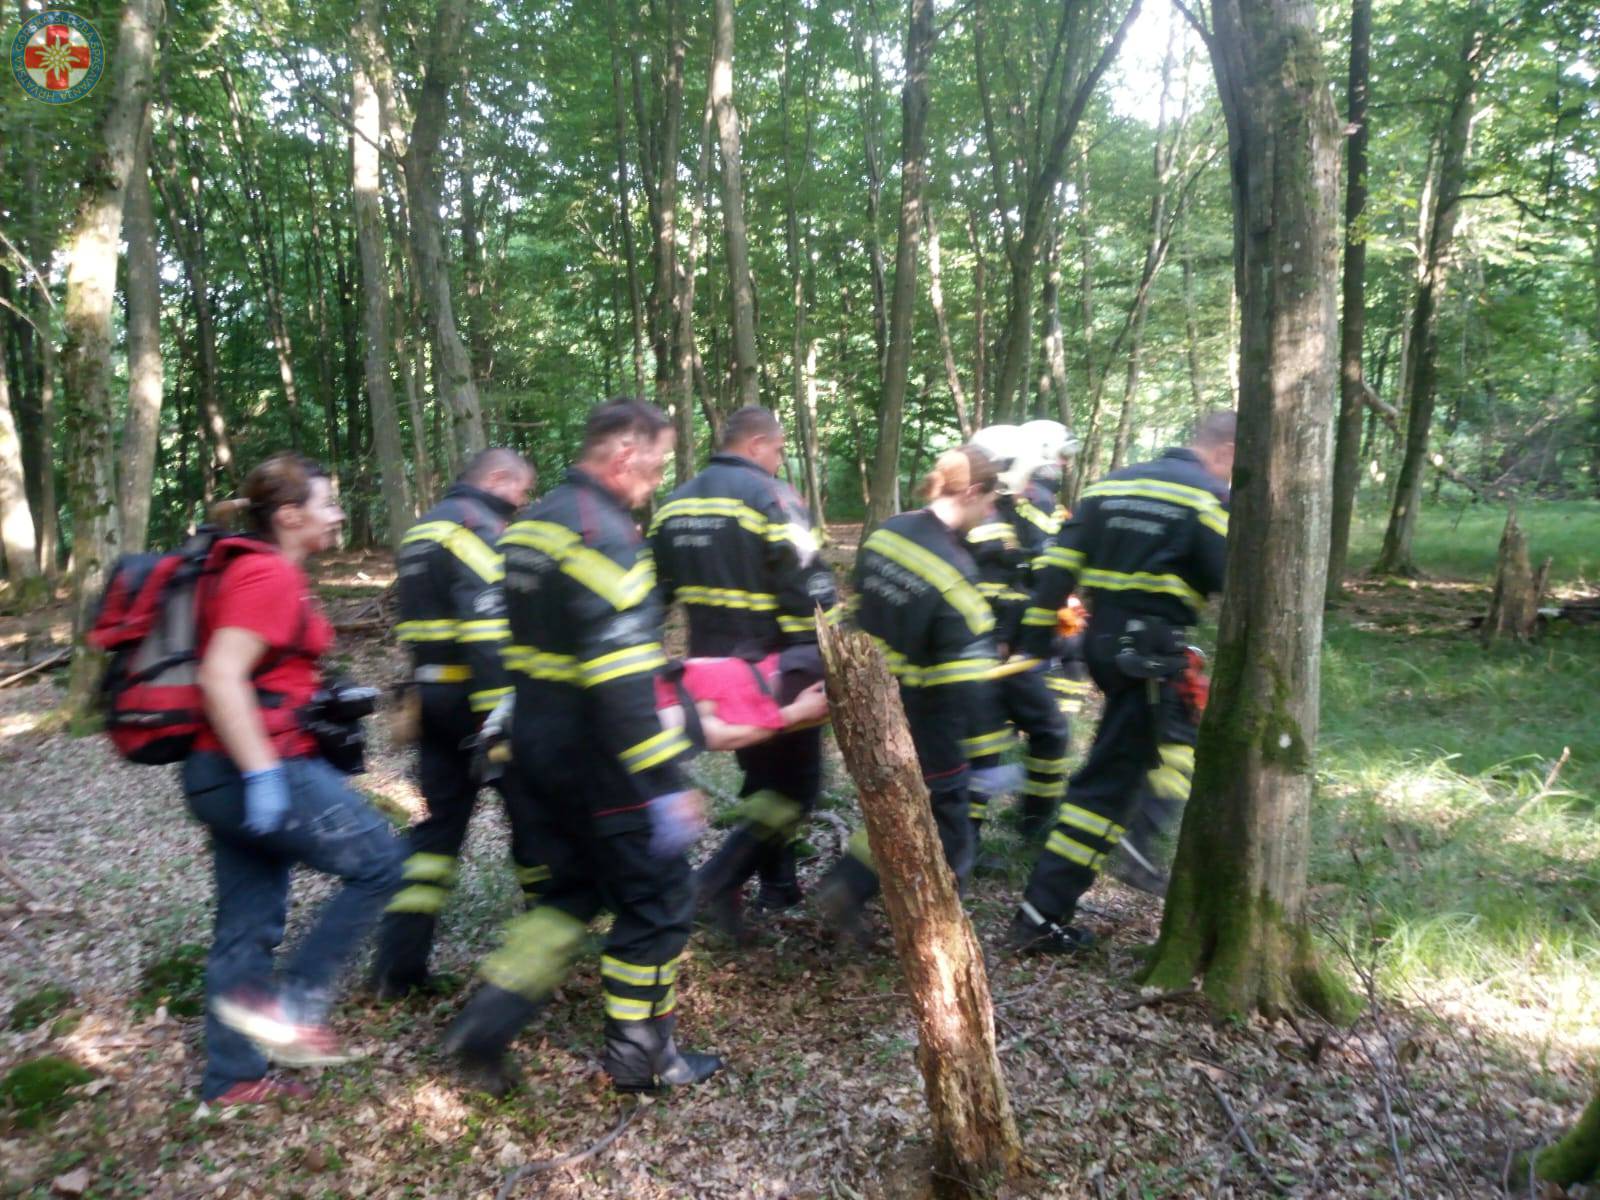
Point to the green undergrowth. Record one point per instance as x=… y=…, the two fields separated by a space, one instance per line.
x=1451 y=855
x=1459 y=540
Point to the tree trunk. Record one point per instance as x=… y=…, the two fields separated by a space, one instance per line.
x=1055 y=350
x=952 y=375
x=1347 y=447
x=746 y=373
x=976 y=1149
x=1421 y=384
x=1575 y=1159
x=1235 y=908
x=1191 y=332
x=625 y=222
x=980 y=346
x=16 y=519
x=1087 y=465
x=142 y=431
x=479 y=337
x=920 y=34
x=452 y=365
x=802 y=350
x=659 y=150
x=88 y=411
x=687 y=357
x=1514 y=605
x=367 y=175
x=42 y=311
x=871 y=75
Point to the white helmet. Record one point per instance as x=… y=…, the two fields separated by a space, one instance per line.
x=1002 y=443
x=1049 y=440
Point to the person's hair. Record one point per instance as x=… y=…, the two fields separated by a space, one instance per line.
x=496 y=458
x=1219 y=427
x=281 y=480
x=750 y=421
x=623 y=416
x=956 y=470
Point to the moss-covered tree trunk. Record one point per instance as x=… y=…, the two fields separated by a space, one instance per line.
x=1576 y=1157
x=1235 y=908
x=975 y=1143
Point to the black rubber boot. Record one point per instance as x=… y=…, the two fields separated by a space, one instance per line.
x=479 y=1036
x=1037 y=815
x=1133 y=867
x=719 y=884
x=1033 y=933
x=780 y=883
x=641 y=1056
x=984 y=862
x=842 y=896
x=400 y=966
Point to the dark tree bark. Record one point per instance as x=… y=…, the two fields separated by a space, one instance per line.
x=1422 y=363
x=952 y=374
x=625 y=224
x=980 y=344
x=142 y=427
x=88 y=411
x=870 y=71
x=1191 y=331
x=1055 y=350
x=920 y=34
x=746 y=372
x=17 y=538
x=1236 y=905
x=479 y=336
x=687 y=357
x=976 y=1149
x=1575 y=1159
x=1352 y=334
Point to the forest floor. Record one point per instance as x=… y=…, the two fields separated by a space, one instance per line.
x=1456 y=880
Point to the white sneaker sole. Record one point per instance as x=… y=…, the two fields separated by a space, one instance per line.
x=278 y=1040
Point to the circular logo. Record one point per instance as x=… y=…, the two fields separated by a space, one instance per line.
x=57 y=57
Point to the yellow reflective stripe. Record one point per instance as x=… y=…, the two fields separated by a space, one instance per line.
x=1038 y=519
x=540 y=664
x=1215 y=520
x=1082 y=818
x=925 y=565
x=1045 y=765
x=475 y=554
x=428 y=531
x=993 y=531
x=527 y=875
x=1058 y=683
x=620 y=588
x=485 y=700
x=425 y=631
x=860 y=847
x=1060 y=843
x=639 y=974
x=1169 y=784
x=418 y=898
x=790 y=624
x=423 y=867
x=961 y=670
x=986 y=743
x=538 y=951
x=655 y=750
x=711 y=506
x=1040 y=617
x=1042 y=787
x=1156 y=489
x=494 y=630
x=1000 y=591
x=443 y=673
x=978 y=810
x=1179 y=756
x=1064 y=557
x=1141 y=581
x=625 y=1008
x=711 y=597
x=634 y=660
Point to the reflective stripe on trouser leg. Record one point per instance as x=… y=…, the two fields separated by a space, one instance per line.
x=537 y=953
x=427 y=880
x=531 y=879
x=639 y=991
x=1173 y=778
x=771 y=815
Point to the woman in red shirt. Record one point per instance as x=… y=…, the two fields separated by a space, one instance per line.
x=269 y=800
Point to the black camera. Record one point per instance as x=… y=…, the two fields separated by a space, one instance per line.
x=333 y=716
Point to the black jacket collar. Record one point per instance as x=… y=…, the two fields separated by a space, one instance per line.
x=503 y=509
x=723 y=458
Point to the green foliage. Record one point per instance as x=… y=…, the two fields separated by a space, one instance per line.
x=39 y=1088
x=177 y=980
x=34 y=1010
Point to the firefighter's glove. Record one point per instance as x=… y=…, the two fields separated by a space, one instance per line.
x=266 y=800
x=676 y=820
x=497 y=725
x=1000 y=780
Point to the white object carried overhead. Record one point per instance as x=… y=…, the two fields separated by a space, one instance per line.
x=1049 y=439
x=1003 y=443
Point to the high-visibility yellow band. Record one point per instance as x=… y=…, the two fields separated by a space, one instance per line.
x=960 y=670
x=1142 y=581
x=1178 y=756
x=492 y=630
x=640 y=974
x=442 y=673
x=625 y=1008
x=425 y=631
x=423 y=867
x=993 y=531
x=482 y=702
x=619 y=587
x=537 y=954
x=535 y=874
x=711 y=506
x=1049 y=788
x=710 y=597
x=540 y=664
x=1040 y=617
x=1045 y=766
x=1049 y=524
x=1169 y=783
x=1076 y=852
x=425 y=898
x=1064 y=557
x=643 y=659
x=655 y=750
x=1094 y=823
x=957 y=591
x=987 y=743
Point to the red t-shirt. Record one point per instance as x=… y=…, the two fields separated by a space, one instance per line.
x=731 y=685
x=271 y=597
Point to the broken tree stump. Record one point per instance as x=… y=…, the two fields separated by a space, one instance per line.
x=1514 y=606
x=975 y=1144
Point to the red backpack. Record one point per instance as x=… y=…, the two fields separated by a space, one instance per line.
x=150 y=621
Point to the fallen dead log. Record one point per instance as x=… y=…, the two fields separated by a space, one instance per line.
x=44 y=664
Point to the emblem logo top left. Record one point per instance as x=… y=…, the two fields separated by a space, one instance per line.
x=57 y=57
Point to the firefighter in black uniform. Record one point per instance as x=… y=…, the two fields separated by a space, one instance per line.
x=1150 y=544
x=612 y=812
x=735 y=546
x=917 y=595
x=452 y=616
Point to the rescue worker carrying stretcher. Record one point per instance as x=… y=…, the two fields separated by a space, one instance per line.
x=453 y=619
x=917 y=595
x=612 y=813
x=1004 y=548
x=1150 y=544
x=735 y=546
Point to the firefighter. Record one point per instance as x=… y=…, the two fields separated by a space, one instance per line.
x=917 y=595
x=1004 y=548
x=735 y=546
x=612 y=811
x=1150 y=544
x=452 y=616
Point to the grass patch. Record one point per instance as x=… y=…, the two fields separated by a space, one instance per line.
x=1460 y=540
x=39 y=1088
x=177 y=980
x=44 y=1005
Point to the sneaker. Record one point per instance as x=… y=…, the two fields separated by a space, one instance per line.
x=262 y=1019
x=1041 y=936
x=261 y=1091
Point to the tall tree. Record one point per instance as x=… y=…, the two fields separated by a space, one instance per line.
x=142 y=427
x=920 y=35
x=451 y=363
x=1352 y=333
x=1236 y=904
x=17 y=540
x=367 y=174
x=746 y=373
x=88 y=413
x=1422 y=361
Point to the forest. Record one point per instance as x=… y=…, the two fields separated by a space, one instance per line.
x=389 y=235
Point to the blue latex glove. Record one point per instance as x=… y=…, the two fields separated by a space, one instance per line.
x=996 y=780
x=676 y=820
x=266 y=800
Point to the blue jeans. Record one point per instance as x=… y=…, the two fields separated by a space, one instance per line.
x=328 y=828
